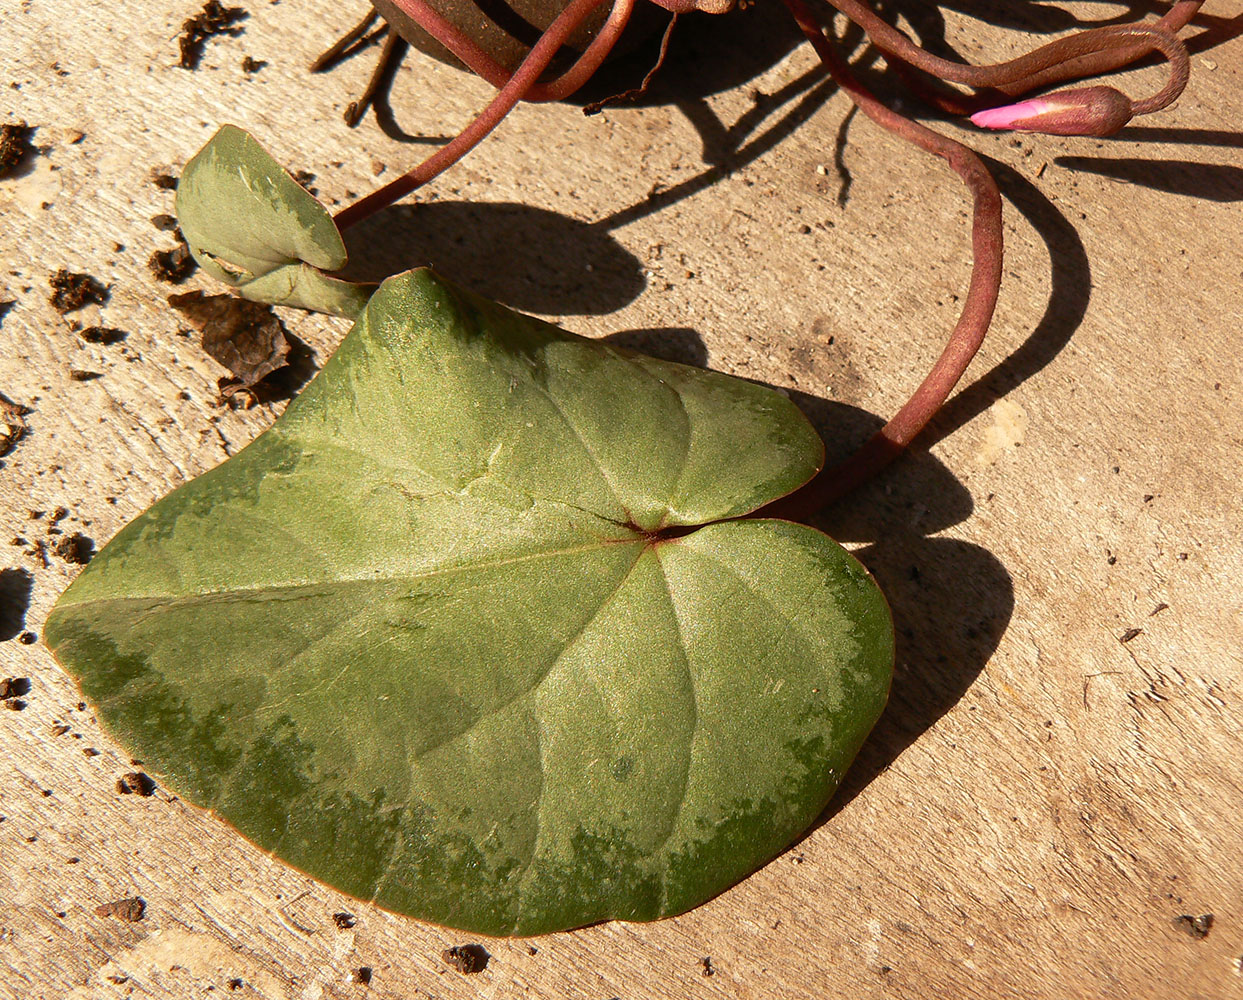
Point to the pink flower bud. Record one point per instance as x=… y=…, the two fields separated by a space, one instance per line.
x=1081 y=111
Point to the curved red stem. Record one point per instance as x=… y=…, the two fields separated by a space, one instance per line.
x=977 y=312
x=511 y=93
x=482 y=64
x=1086 y=53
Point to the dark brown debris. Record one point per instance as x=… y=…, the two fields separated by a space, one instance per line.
x=363 y=975
x=82 y=375
x=15 y=145
x=72 y=291
x=174 y=265
x=706 y=963
x=466 y=958
x=14 y=687
x=163 y=180
x=165 y=223
x=136 y=783
x=307 y=180
x=1130 y=634
x=102 y=335
x=12 y=424
x=343 y=920
x=214 y=19
x=75 y=548
x=246 y=337
x=131 y=909
x=251 y=66
x=1197 y=927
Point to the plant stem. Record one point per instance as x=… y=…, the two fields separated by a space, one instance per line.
x=533 y=65
x=1086 y=53
x=977 y=312
x=482 y=64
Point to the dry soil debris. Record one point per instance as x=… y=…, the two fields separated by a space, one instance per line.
x=14 y=687
x=164 y=181
x=75 y=548
x=131 y=909
x=136 y=783
x=246 y=337
x=363 y=975
x=102 y=335
x=72 y=291
x=1197 y=927
x=343 y=920
x=82 y=375
x=251 y=66
x=15 y=145
x=12 y=424
x=466 y=958
x=174 y=265
x=213 y=19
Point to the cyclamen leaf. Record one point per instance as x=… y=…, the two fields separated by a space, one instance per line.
x=474 y=630
x=251 y=225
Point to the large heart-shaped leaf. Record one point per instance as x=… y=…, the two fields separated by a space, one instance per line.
x=449 y=636
x=252 y=226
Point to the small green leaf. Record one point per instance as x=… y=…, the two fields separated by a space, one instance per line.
x=476 y=630
x=252 y=226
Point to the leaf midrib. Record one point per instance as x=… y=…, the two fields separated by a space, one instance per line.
x=294 y=591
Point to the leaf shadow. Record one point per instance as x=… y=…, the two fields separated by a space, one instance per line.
x=951 y=600
x=530 y=259
x=680 y=344
x=16 y=586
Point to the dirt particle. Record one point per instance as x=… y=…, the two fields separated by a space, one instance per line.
x=14 y=687
x=1196 y=927
x=12 y=424
x=250 y=66
x=75 y=548
x=466 y=958
x=15 y=145
x=307 y=180
x=27 y=638
x=136 y=783
x=82 y=375
x=343 y=920
x=236 y=984
x=174 y=265
x=102 y=335
x=72 y=291
x=131 y=909
x=165 y=223
x=90 y=751
x=214 y=19
x=706 y=962
x=1130 y=634
x=14 y=704
x=60 y=729
x=164 y=180
x=363 y=975
x=1158 y=609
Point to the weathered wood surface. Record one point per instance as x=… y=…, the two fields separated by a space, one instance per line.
x=1040 y=802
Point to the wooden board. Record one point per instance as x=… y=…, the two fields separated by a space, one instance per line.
x=1041 y=801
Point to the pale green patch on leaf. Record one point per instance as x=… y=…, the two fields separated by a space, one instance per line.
x=252 y=226
x=476 y=630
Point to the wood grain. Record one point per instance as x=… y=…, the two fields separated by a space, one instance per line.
x=1041 y=801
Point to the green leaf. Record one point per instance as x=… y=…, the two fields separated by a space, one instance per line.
x=252 y=226
x=475 y=630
